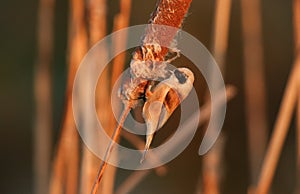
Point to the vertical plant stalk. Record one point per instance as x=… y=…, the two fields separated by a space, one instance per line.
x=297 y=26
x=97 y=31
x=254 y=85
x=168 y=12
x=212 y=168
x=65 y=169
x=280 y=131
x=114 y=138
x=43 y=99
x=297 y=55
x=298 y=141
x=220 y=32
x=298 y=135
x=210 y=183
x=121 y=20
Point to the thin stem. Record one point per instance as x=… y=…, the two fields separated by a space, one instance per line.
x=220 y=31
x=120 y=21
x=108 y=151
x=97 y=21
x=296 y=8
x=210 y=183
x=65 y=167
x=254 y=81
x=298 y=139
x=212 y=168
x=43 y=97
x=97 y=30
x=297 y=54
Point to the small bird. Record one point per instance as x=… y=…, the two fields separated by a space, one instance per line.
x=163 y=100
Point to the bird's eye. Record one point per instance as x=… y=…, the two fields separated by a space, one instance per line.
x=180 y=76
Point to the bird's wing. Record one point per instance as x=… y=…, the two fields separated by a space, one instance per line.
x=153 y=107
x=171 y=102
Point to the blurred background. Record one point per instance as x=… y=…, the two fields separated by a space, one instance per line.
x=19 y=55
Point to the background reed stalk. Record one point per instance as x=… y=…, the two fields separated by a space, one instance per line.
x=97 y=30
x=296 y=9
x=254 y=76
x=43 y=97
x=210 y=179
x=65 y=171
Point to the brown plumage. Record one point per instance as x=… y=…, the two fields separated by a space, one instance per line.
x=164 y=99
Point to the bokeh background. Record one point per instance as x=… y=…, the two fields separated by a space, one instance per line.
x=18 y=53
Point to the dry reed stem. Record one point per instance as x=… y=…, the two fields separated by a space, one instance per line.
x=220 y=31
x=298 y=138
x=296 y=13
x=114 y=139
x=212 y=168
x=254 y=81
x=296 y=8
x=65 y=170
x=137 y=176
x=121 y=20
x=108 y=121
x=43 y=99
x=280 y=131
x=210 y=179
x=97 y=30
x=77 y=52
x=97 y=20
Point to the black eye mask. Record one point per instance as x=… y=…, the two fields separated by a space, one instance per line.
x=180 y=76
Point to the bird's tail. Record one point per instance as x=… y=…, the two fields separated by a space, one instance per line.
x=147 y=146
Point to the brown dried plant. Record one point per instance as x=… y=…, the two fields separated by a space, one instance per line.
x=167 y=12
x=255 y=102
x=210 y=178
x=43 y=89
x=66 y=162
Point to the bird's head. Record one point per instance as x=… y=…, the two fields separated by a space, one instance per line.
x=181 y=81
